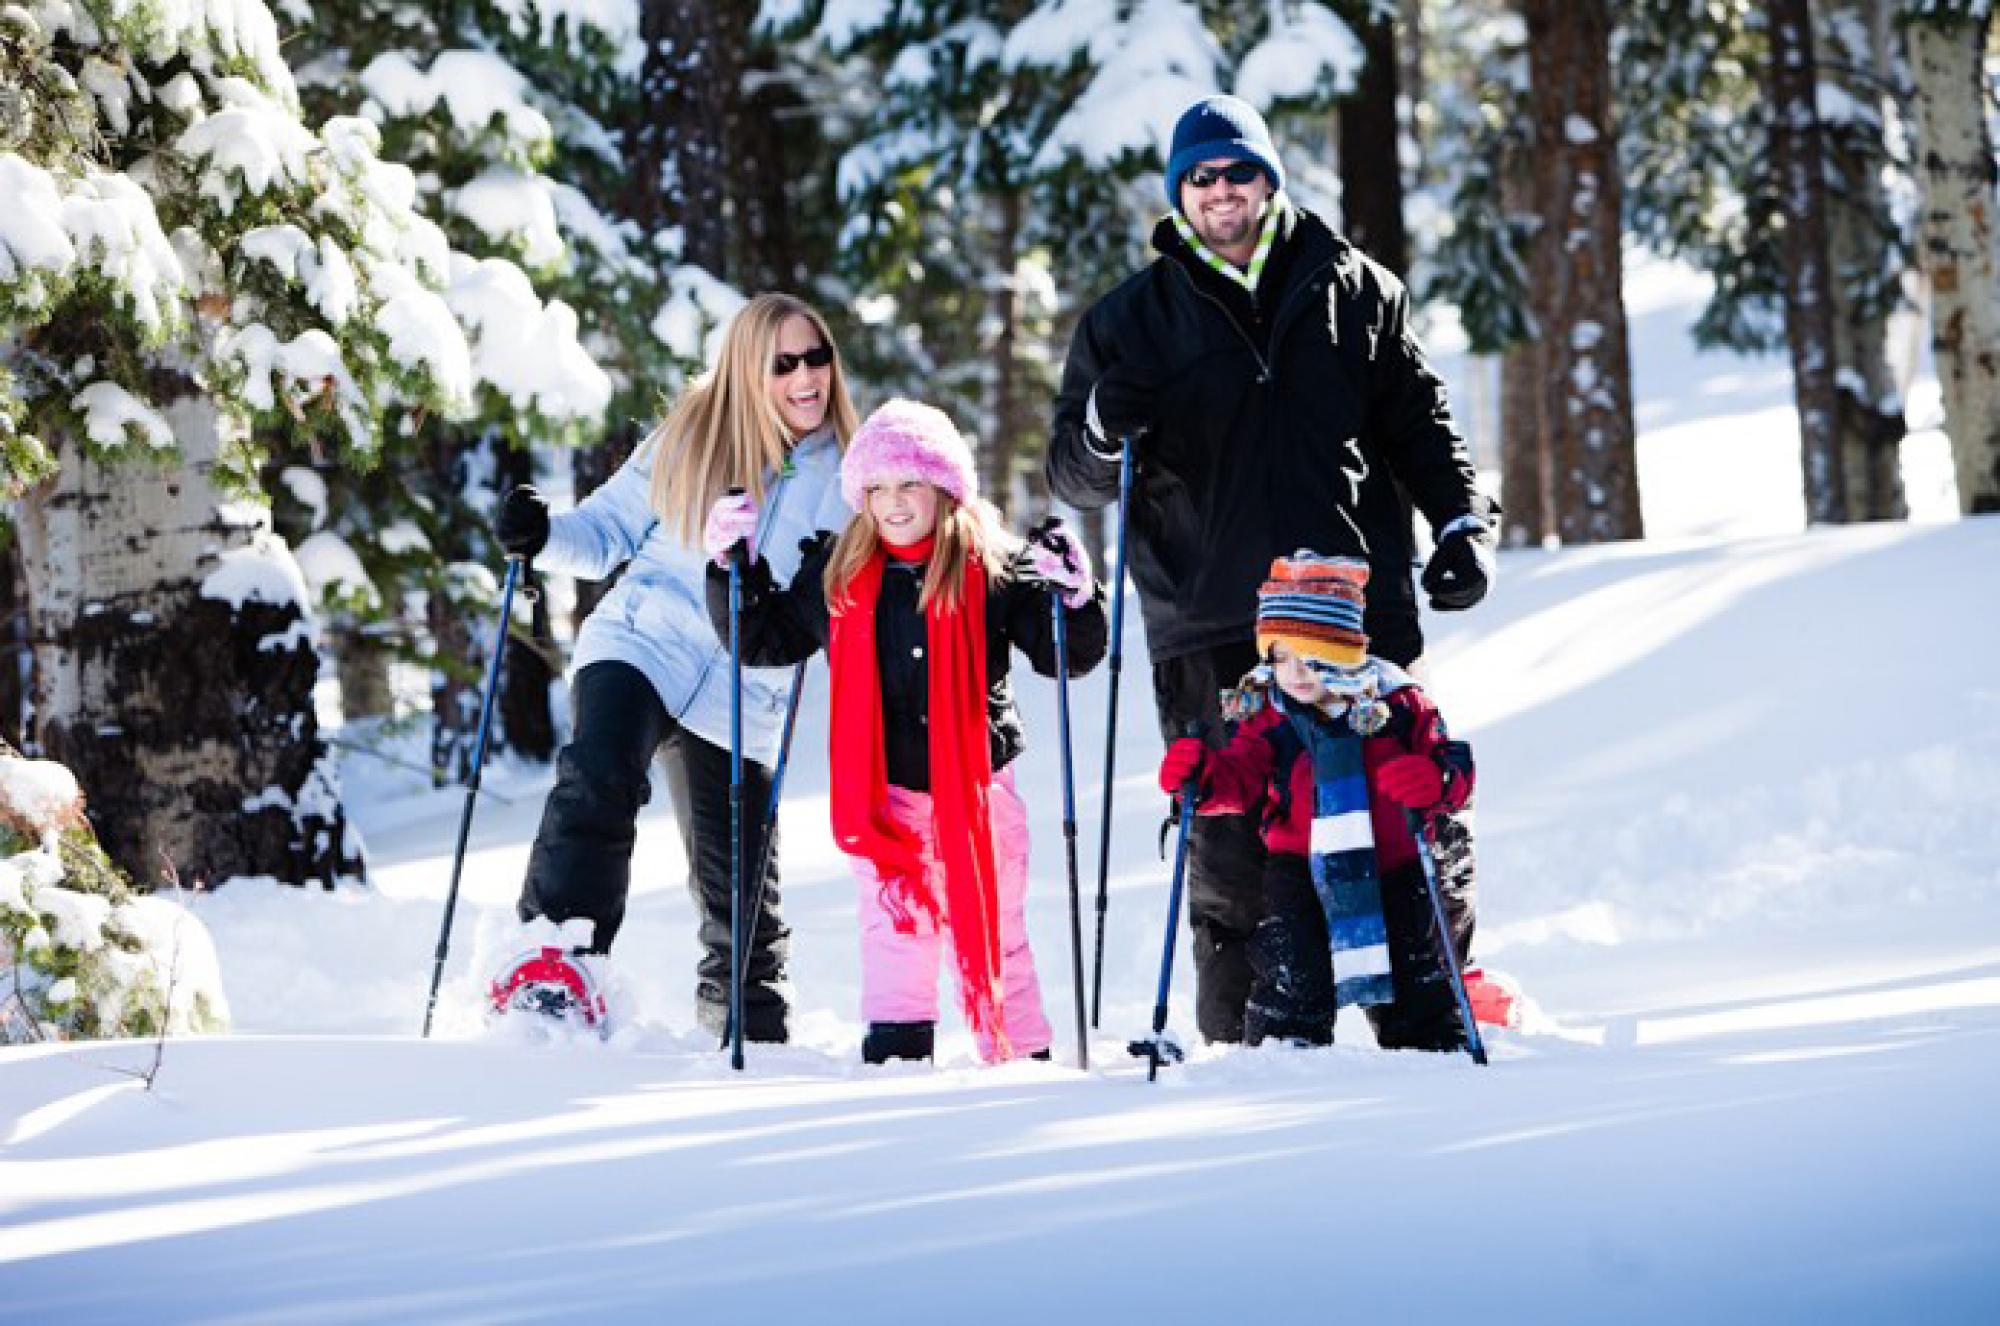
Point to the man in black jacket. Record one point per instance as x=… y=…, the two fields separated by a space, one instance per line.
x=1262 y=370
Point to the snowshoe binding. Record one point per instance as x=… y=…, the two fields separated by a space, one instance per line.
x=551 y=983
x=1495 y=997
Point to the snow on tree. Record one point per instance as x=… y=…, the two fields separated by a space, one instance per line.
x=498 y=107
x=81 y=954
x=192 y=272
x=1947 y=41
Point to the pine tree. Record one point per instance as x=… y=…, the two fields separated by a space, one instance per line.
x=1703 y=148
x=497 y=106
x=1006 y=173
x=1478 y=263
x=187 y=270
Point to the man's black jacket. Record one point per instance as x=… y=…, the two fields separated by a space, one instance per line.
x=1299 y=419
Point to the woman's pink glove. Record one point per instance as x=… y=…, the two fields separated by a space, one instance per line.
x=1061 y=560
x=732 y=520
x=1414 y=781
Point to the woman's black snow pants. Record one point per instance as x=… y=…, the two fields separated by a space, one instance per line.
x=581 y=865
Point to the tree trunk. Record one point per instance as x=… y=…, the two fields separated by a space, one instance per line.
x=678 y=136
x=367 y=686
x=454 y=689
x=1527 y=478
x=1526 y=491
x=767 y=240
x=1371 y=170
x=174 y=670
x=1410 y=80
x=1579 y=308
x=525 y=715
x=458 y=666
x=997 y=456
x=13 y=645
x=1791 y=77
x=1955 y=171
x=1860 y=238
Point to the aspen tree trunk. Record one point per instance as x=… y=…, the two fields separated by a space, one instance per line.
x=1580 y=309
x=175 y=666
x=1955 y=171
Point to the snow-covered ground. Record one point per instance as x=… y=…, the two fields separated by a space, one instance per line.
x=1737 y=838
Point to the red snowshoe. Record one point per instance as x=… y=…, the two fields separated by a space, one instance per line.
x=1496 y=998
x=552 y=983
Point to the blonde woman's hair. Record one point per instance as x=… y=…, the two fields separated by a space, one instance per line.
x=724 y=432
x=968 y=530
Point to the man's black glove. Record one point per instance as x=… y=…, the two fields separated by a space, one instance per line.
x=522 y=525
x=1121 y=406
x=1462 y=569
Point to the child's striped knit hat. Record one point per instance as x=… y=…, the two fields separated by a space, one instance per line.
x=1312 y=605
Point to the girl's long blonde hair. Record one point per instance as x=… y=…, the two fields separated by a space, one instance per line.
x=965 y=530
x=724 y=432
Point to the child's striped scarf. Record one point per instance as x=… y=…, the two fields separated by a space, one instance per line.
x=1344 y=873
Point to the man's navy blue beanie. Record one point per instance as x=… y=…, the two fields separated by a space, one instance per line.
x=1220 y=128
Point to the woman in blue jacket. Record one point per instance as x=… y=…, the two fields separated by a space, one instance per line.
x=650 y=676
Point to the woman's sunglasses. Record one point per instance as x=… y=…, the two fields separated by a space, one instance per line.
x=1236 y=172
x=784 y=365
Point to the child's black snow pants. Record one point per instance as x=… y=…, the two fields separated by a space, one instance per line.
x=1291 y=991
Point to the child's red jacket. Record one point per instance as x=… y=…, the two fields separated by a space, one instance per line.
x=1243 y=777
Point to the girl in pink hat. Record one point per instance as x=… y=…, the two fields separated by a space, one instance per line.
x=919 y=603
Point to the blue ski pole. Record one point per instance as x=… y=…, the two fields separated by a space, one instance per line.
x=1159 y=1048
x=770 y=829
x=736 y=556
x=1449 y=951
x=472 y=784
x=1111 y=719
x=1057 y=612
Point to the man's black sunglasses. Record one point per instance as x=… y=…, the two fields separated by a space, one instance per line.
x=1236 y=172
x=783 y=365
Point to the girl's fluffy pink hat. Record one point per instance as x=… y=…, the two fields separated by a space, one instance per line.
x=907 y=440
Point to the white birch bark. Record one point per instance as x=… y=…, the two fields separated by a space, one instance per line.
x=1955 y=170
x=186 y=716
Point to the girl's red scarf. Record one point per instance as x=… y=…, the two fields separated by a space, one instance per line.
x=961 y=774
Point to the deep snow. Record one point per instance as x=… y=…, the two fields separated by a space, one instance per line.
x=1737 y=838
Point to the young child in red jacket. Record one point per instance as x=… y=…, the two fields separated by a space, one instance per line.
x=1334 y=748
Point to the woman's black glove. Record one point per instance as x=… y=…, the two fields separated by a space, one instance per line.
x=522 y=525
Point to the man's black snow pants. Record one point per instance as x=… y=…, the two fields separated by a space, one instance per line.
x=1225 y=870
x=581 y=864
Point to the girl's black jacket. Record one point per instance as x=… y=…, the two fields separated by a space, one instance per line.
x=787 y=625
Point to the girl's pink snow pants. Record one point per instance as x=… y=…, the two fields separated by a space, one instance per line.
x=899 y=968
